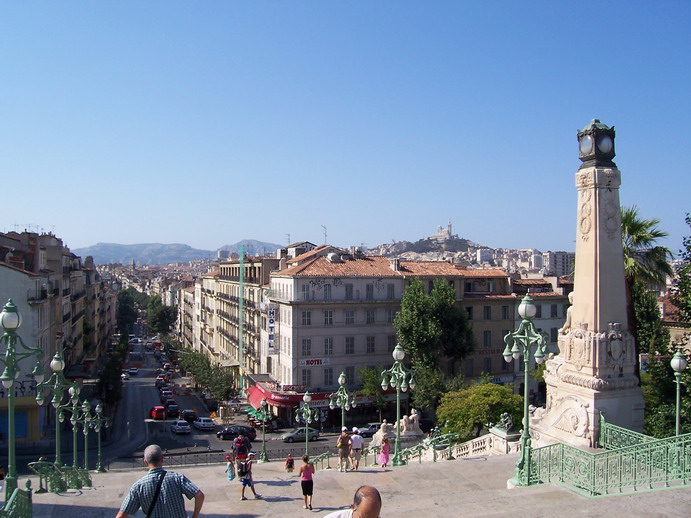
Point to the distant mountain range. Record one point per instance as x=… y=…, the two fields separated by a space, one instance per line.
x=158 y=253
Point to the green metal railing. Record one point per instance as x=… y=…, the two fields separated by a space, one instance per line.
x=19 y=504
x=648 y=464
x=613 y=436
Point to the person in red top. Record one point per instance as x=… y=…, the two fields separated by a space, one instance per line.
x=306 y=481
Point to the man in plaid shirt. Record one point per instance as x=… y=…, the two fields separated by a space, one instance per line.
x=170 y=503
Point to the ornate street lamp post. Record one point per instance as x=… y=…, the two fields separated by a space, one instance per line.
x=86 y=425
x=75 y=419
x=100 y=421
x=263 y=413
x=341 y=399
x=57 y=384
x=306 y=414
x=10 y=319
x=679 y=364
x=400 y=378
x=520 y=343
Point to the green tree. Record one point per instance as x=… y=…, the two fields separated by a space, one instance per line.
x=126 y=314
x=160 y=318
x=467 y=411
x=681 y=292
x=371 y=387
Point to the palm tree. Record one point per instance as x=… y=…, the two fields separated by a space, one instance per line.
x=644 y=261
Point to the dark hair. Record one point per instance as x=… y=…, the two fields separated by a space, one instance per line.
x=306 y=458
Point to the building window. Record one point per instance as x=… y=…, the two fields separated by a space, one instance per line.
x=469 y=309
x=487 y=338
x=328 y=376
x=390 y=315
x=390 y=291
x=370 y=345
x=349 y=292
x=505 y=366
x=487 y=367
x=487 y=312
x=328 y=317
x=307 y=347
x=306 y=318
x=349 y=316
x=369 y=292
x=307 y=377
x=350 y=345
x=469 y=368
x=553 y=311
x=468 y=287
x=305 y=292
x=391 y=342
x=327 y=292
x=350 y=376
x=505 y=312
x=538 y=314
x=328 y=346
x=369 y=316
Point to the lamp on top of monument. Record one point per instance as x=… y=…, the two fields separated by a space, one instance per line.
x=596 y=145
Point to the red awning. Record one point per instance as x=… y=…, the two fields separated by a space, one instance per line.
x=257 y=392
x=254 y=396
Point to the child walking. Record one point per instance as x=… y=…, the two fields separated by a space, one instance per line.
x=306 y=481
x=245 y=472
x=230 y=467
x=384 y=455
x=290 y=463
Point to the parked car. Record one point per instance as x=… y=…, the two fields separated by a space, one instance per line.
x=188 y=415
x=133 y=371
x=369 y=430
x=157 y=412
x=231 y=432
x=173 y=411
x=204 y=423
x=180 y=427
x=124 y=376
x=169 y=401
x=166 y=394
x=299 y=435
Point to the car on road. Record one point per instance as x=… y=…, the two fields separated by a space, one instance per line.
x=169 y=401
x=188 y=415
x=299 y=435
x=369 y=430
x=180 y=427
x=204 y=423
x=166 y=394
x=133 y=371
x=232 y=431
x=124 y=376
x=173 y=411
x=157 y=412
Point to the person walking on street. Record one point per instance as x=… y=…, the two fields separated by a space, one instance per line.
x=230 y=467
x=306 y=472
x=343 y=445
x=366 y=504
x=384 y=455
x=356 y=442
x=159 y=493
x=290 y=463
x=245 y=474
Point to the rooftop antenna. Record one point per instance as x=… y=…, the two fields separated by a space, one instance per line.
x=288 y=236
x=324 y=233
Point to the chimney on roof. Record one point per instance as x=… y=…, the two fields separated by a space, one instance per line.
x=395 y=264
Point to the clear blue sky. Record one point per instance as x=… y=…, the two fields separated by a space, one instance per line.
x=209 y=122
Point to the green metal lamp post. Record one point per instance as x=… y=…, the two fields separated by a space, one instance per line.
x=400 y=378
x=263 y=413
x=10 y=319
x=76 y=408
x=342 y=399
x=57 y=384
x=86 y=425
x=306 y=414
x=100 y=421
x=520 y=343
x=679 y=364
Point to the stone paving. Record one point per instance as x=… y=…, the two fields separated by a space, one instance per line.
x=474 y=487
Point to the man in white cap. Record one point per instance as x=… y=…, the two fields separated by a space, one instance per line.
x=245 y=474
x=343 y=445
x=356 y=442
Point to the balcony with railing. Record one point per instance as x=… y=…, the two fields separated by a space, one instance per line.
x=34 y=296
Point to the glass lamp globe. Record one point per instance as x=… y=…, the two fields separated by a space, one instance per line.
x=342 y=379
x=307 y=398
x=679 y=362
x=10 y=319
x=526 y=309
x=398 y=353
x=57 y=364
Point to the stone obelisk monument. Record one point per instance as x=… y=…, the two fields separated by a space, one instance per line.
x=595 y=370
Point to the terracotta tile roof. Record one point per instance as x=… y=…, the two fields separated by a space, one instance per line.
x=321 y=250
x=477 y=272
x=532 y=282
x=370 y=266
x=540 y=294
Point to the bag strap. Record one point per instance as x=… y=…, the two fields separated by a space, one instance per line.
x=158 y=491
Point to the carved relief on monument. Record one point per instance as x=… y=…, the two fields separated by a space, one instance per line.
x=616 y=349
x=580 y=346
x=585 y=223
x=612 y=214
x=572 y=416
